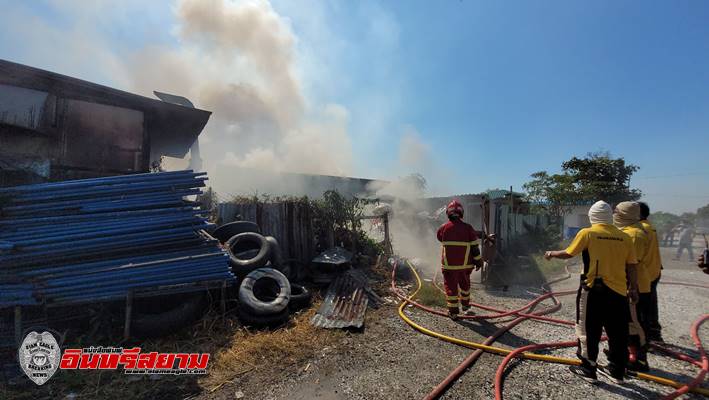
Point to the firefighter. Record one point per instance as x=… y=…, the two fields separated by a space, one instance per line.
x=459 y=253
x=626 y=216
x=607 y=279
x=654 y=268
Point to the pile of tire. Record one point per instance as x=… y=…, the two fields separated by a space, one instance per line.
x=266 y=295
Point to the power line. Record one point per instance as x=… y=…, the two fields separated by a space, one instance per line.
x=672 y=176
x=701 y=196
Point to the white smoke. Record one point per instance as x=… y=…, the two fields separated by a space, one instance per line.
x=238 y=59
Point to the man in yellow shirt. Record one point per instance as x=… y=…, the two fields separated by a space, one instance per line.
x=626 y=216
x=608 y=276
x=654 y=268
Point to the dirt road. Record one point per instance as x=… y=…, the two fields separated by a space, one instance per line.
x=389 y=360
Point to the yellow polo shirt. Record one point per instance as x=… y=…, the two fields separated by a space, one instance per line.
x=653 y=260
x=606 y=250
x=641 y=243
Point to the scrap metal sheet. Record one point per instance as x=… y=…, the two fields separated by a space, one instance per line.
x=345 y=303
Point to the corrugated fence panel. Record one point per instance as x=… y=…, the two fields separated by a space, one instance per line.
x=289 y=222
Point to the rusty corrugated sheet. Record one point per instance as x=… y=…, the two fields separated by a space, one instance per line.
x=345 y=303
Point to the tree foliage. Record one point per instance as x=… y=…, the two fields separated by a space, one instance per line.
x=703 y=212
x=664 y=221
x=554 y=194
x=597 y=176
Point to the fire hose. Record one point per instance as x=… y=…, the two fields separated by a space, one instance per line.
x=524 y=353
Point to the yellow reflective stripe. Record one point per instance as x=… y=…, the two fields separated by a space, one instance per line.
x=478 y=257
x=456 y=267
x=454 y=298
x=467 y=253
x=467 y=245
x=462 y=293
x=452 y=243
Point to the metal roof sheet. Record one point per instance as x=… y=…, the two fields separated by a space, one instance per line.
x=345 y=303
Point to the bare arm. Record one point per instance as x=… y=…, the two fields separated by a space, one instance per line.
x=557 y=254
x=478 y=263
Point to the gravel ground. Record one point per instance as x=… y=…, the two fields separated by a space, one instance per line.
x=390 y=360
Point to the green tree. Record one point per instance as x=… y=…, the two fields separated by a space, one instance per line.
x=597 y=176
x=703 y=212
x=688 y=217
x=553 y=194
x=664 y=221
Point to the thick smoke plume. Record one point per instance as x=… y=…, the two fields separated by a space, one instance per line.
x=239 y=61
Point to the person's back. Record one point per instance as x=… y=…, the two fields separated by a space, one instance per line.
x=686 y=235
x=455 y=236
x=608 y=277
x=605 y=250
x=459 y=253
x=641 y=241
x=654 y=269
x=653 y=259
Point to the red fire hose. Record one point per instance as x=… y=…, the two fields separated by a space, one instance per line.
x=702 y=354
x=521 y=316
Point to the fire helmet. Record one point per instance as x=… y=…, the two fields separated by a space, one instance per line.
x=454 y=208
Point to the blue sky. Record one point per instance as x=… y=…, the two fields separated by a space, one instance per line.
x=492 y=91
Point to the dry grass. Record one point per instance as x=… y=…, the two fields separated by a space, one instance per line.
x=267 y=351
x=430 y=295
x=236 y=353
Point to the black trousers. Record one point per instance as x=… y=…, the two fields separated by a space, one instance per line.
x=654 y=331
x=601 y=308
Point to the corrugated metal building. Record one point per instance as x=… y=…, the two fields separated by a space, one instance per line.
x=55 y=127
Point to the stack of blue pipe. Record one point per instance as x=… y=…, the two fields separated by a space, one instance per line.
x=95 y=240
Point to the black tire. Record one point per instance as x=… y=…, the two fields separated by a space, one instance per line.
x=276 y=257
x=228 y=230
x=152 y=325
x=241 y=244
x=264 y=291
x=300 y=297
x=263 y=321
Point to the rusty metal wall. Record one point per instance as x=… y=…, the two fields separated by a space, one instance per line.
x=509 y=226
x=82 y=129
x=43 y=138
x=21 y=106
x=289 y=222
x=102 y=137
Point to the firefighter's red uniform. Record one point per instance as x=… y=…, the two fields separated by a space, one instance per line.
x=459 y=253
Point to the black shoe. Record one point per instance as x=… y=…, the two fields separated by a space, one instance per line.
x=656 y=339
x=639 y=366
x=468 y=311
x=587 y=374
x=614 y=377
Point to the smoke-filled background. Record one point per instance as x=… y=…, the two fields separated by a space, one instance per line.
x=238 y=60
x=242 y=61
x=274 y=97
